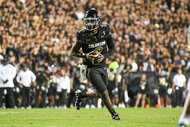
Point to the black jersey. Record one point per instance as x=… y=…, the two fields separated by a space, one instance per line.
x=101 y=42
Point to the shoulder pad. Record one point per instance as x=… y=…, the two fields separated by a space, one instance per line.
x=107 y=27
x=104 y=25
x=81 y=31
x=79 y=35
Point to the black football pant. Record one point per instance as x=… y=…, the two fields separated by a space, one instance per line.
x=62 y=97
x=10 y=97
x=26 y=99
x=98 y=77
x=43 y=95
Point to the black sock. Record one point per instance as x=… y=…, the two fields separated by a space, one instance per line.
x=112 y=111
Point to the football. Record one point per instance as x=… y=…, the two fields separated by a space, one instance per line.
x=95 y=58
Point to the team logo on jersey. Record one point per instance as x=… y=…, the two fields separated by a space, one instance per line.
x=97 y=44
x=99 y=49
x=104 y=33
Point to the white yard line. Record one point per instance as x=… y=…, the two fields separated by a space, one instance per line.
x=1 y=113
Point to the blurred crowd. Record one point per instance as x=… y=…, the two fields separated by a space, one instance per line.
x=150 y=36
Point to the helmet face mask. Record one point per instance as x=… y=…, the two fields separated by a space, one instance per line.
x=91 y=20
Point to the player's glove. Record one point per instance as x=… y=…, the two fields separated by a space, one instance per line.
x=100 y=57
x=91 y=55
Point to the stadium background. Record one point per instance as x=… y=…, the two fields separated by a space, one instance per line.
x=41 y=34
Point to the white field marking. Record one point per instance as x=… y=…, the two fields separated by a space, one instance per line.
x=1 y=113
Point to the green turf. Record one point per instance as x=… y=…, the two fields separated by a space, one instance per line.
x=130 y=117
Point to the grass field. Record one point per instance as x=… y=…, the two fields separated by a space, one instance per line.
x=130 y=117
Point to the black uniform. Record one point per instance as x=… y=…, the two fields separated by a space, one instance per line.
x=40 y=88
x=163 y=83
x=103 y=43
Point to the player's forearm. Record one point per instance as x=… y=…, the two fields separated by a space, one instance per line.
x=78 y=54
x=75 y=51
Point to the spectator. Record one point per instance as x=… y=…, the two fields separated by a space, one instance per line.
x=148 y=66
x=134 y=66
x=176 y=63
x=143 y=83
x=63 y=88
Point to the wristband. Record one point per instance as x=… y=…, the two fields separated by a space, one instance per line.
x=83 y=55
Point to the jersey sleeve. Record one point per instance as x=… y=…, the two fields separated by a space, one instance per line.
x=18 y=78
x=76 y=47
x=110 y=43
x=12 y=73
x=109 y=29
x=78 y=37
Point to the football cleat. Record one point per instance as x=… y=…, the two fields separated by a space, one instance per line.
x=115 y=116
x=78 y=100
x=182 y=125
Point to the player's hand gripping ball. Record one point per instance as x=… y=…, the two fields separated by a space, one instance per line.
x=95 y=57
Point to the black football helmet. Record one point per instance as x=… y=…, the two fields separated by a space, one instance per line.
x=91 y=20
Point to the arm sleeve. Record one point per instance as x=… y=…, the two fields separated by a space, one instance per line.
x=13 y=73
x=185 y=79
x=2 y=77
x=18 y=78
x=33 y=76
x=76 y=47
x=111 y=47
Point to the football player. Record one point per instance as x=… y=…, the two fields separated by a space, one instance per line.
x=97 y=45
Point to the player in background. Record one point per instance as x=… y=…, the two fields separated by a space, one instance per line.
x=97 y=45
